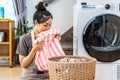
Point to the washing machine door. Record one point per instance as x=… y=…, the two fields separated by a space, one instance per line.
x=101 y=38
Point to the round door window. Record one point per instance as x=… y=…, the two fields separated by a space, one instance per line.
x=101 y=38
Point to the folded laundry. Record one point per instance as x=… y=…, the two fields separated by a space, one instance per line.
x=51 y=48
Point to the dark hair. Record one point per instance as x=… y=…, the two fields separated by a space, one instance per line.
x=41 y=14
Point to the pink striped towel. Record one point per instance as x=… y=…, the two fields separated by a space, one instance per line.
x=51 y=48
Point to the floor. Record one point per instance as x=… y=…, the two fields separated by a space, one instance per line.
x=7 y=73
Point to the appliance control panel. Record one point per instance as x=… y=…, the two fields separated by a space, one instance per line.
x=85 y=5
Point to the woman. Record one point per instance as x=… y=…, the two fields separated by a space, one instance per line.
x=42 y=21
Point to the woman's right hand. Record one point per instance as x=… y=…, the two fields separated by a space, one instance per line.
x=25 y=61
x=38 y=46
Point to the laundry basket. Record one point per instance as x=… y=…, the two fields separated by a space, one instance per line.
x=72 y=68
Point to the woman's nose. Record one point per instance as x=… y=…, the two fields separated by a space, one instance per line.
x=48 y=27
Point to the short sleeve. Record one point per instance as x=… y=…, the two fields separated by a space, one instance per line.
x=24 y=46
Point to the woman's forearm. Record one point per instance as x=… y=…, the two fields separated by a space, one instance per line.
x=25 y=61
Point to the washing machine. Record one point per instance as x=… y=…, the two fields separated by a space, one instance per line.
x=96 y=33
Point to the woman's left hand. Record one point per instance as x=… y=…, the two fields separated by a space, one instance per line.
x=58 y=37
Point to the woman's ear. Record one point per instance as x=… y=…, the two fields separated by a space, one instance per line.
x=35 y=22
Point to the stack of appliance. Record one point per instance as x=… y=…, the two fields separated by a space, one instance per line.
x=96 y=33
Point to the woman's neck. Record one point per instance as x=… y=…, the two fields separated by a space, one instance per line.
x=35 y=32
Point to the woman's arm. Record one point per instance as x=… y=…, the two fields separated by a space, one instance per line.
x=26 y=60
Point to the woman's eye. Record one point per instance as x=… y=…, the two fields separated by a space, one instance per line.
x=45 y=25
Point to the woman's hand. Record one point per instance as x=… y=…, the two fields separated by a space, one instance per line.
x=58 y=37
x=25 y=61
x=37 y=46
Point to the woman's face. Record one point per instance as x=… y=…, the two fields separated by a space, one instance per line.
x=43 y=26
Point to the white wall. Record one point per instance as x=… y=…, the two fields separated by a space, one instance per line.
x=62 y=11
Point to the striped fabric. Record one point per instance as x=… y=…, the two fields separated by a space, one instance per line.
x=51 y=48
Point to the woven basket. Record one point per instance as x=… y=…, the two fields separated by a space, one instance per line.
x=65 y=68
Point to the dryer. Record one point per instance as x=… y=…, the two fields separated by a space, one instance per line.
x=96 y=33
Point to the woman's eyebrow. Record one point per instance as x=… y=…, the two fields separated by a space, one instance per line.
x=46 y=23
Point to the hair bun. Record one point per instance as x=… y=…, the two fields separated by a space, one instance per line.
x=40 y=7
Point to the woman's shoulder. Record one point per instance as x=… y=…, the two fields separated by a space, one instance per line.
x=26 y=36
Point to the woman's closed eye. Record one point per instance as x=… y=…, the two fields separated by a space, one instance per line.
x=45 y=25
